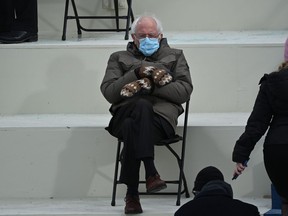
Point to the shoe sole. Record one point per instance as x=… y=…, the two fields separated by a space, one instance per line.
x=157 y=189
x=135 y=212
x=30 y=39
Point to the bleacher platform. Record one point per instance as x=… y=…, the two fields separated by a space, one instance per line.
x=57 y=158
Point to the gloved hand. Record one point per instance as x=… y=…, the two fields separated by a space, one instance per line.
x=141 y=86
x=144 y=71
x=161 y=77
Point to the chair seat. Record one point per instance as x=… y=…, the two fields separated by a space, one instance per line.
x=171 y=140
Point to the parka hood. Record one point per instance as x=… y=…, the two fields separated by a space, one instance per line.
x=215 y=188
x=278 y=84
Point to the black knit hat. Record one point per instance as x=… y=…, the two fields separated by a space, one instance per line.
x=205 y=175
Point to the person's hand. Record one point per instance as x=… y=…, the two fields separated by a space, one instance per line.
x=141 y=86
x=144 y=71
x=239 y=168
x=161 y=77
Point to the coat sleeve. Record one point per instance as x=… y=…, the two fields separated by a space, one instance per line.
x=180 y=89
x=257 y=124
x=115 y=78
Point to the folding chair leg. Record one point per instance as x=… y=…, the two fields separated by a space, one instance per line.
x=182 y=178
x=181 y=164
x=178 y=195
x=116 y=14
x=129 y=16
x=179 y=190
x=187 y=195
x=76 y=17
x=131 y=11
x=116 y=174
x=65 y=20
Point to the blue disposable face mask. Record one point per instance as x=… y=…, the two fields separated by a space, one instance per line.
x=148 y=46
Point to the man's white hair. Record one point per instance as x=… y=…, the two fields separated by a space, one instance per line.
x=135 y=23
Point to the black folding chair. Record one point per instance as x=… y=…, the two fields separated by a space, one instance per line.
x=129 y=19
x=179 y=157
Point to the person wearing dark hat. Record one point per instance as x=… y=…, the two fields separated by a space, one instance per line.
x=18 y=21
x=214 y=196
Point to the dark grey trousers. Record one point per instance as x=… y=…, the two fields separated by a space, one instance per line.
x=141 y=129
x=20 y=15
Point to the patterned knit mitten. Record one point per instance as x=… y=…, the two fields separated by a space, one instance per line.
x=161 y=77
x=141 y=86
x=144 y=71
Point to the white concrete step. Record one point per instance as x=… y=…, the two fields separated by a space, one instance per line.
x=152 y=206
x=54 y=76
x=73 y=156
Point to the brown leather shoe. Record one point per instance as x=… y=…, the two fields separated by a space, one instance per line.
x=133 y=205
x=155 y=184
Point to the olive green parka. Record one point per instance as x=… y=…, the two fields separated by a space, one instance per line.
x=167 y=99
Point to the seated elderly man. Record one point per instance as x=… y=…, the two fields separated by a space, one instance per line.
x=146 y=85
